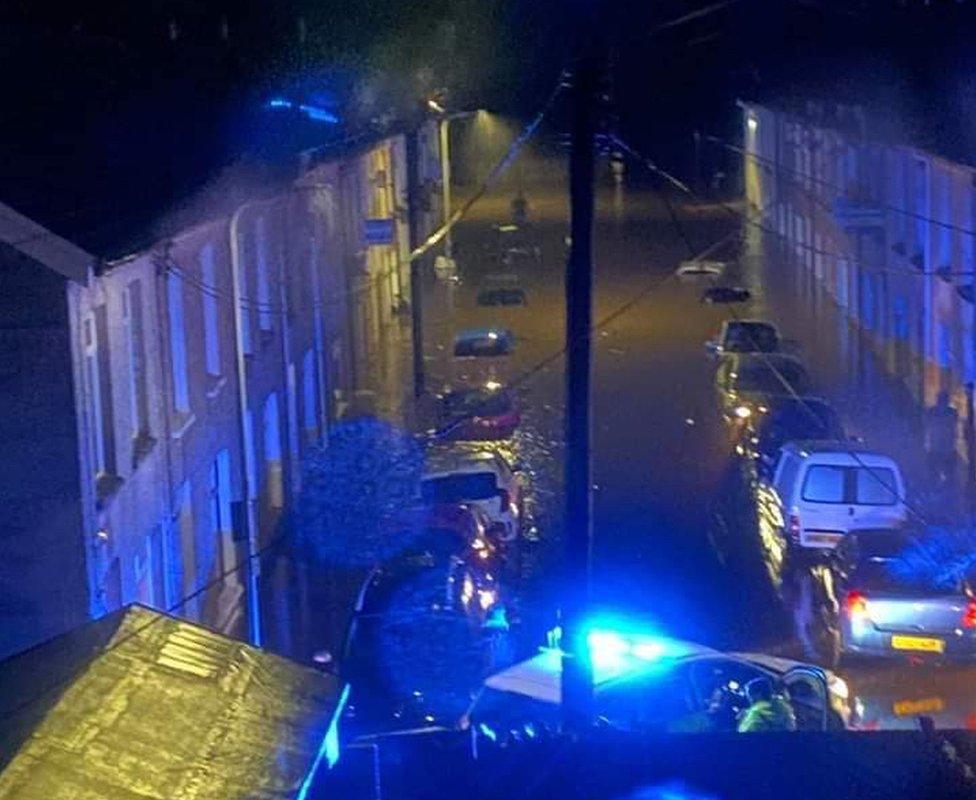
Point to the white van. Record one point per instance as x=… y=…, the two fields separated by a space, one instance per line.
x=821 y=490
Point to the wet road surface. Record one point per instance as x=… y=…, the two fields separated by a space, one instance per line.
x=668 y=549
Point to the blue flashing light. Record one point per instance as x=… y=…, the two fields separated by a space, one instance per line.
x=487 y=732
x=314 y=113
x=319 y=114
x=328 y=747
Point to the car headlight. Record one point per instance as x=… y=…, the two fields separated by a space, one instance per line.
x=743 y=412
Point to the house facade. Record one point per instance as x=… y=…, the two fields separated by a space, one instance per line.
x=160 y=405
x=885 y=229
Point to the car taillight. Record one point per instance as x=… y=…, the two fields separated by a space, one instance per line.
x=793 y=528
x=969 y=615
x=856 y=604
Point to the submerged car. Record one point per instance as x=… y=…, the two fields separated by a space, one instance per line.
x=483 y=343
x=745 y=336
x=653 y=684
x=482 y=479
x=486 y=413
x=746 y=382
x=878 y=600
x=782 y=420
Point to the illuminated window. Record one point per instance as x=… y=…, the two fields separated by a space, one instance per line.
x=135 y=340
x=177 y=341
x=99 y=390
x=211 y=330
x=272 y=452
x=264 y=280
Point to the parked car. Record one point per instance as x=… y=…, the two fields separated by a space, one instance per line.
x=745 y=336
x=821 y=490
x=485 y=413
x=483 y=342
x=695 y=269
x=652 y=684
x=515 y=244
x=782 y=420
x=411 y=652
x=466 y=525
x=482 y=479
x=873 y=599
x=747 y=382
x=721 y=295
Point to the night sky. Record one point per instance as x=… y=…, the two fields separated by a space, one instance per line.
x=169 y=93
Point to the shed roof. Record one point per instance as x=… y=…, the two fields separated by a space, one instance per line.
x=142 y=705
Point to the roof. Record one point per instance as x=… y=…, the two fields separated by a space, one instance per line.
x=450 y=462
x=540 y=677
x=141 y=705
x=43 y=246
x=838 y=446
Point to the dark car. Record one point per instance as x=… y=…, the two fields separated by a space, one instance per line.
x=483 y=343
x=747 y=382
x=414 y=646
x=466 y=526
x=885 y=592
x=479 y=414
x=782 y=420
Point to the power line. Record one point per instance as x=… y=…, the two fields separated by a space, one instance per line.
x=830 y=185
x=172 y=609
x=791 y=390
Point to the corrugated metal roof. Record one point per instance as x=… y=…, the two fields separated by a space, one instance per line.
x=170 y=710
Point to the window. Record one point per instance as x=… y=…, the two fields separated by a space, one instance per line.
x=211 y=329
x=142 y=572
x=459 y=488
x=788 y=472
x=188 y=549
x=135 y=340
x=876 y=486
x=177 y=342
x=824 y=484
x=921 y=210
x=272 y=452
x=309 y=397
x=221 y=526
x=264 y=282
x=99 y=389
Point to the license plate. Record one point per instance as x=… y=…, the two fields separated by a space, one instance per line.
x=920 y=643
x=828 y=539
x=911 y=708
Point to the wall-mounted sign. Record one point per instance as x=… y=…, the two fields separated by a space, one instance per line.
x=378 y=231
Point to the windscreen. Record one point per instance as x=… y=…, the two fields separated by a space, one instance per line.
x=459 y=488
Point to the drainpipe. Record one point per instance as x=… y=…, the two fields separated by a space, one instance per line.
x=249 y=477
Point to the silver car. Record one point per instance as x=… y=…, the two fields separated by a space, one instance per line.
x=880 y=598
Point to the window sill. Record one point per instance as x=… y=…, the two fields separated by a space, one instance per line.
x=218 y=385
x=184 y=421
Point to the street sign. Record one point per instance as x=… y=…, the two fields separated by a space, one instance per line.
x=378 y=231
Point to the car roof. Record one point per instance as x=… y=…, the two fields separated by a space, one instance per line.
x=731 y=323
x=839 y=449
x=482 y=333
x=882 y=541
x=540 y=677
x=446 y=463
x=766 y=359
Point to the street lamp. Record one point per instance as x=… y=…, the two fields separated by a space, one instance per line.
x=435 y=103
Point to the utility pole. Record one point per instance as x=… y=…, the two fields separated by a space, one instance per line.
x=577 y=679
x=416 y=264
x=445 y=148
